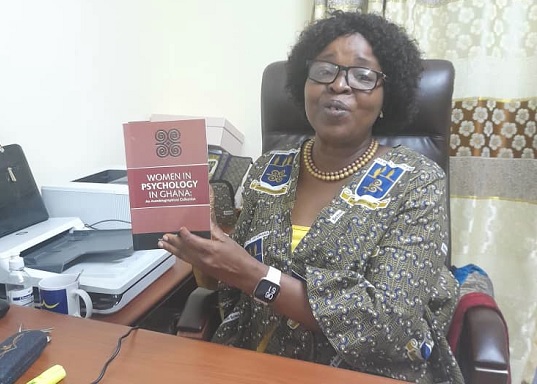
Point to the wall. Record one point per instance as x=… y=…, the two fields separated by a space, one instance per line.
x=72 y=71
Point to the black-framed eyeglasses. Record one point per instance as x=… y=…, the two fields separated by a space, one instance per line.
x=359 y=78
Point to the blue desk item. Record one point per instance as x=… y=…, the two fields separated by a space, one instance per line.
x=18 y=352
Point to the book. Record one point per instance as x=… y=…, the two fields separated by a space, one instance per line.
x=168 y=179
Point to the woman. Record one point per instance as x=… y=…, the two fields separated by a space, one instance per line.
x=349 y=237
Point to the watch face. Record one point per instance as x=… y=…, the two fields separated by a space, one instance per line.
x=266 y=291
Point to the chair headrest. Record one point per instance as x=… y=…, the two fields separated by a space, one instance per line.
x=282 y=122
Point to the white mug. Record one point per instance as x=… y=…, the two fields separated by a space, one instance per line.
x=61 y=294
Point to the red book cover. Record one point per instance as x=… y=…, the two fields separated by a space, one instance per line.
x=168 y=179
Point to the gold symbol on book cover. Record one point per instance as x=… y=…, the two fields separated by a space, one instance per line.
x=168 y=143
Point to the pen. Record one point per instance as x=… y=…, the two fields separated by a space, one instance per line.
x=52 y=375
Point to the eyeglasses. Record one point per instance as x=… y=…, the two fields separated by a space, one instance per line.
x=359 y=78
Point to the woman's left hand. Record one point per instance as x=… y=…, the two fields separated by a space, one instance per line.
x=219 y=257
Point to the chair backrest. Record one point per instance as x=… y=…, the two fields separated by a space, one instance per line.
x=282 y=122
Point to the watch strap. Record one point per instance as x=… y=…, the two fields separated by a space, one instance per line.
x=274 y=275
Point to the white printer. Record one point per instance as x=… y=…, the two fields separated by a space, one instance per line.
x=111 y=272
x=100 y=199
x=100 y=202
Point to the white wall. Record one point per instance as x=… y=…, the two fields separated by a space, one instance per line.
x=72 y=71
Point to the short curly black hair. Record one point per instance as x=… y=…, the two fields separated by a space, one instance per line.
x=398 y=56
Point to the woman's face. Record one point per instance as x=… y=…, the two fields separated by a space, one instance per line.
x=338 y=113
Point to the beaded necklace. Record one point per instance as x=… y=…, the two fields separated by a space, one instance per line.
x=342 y=173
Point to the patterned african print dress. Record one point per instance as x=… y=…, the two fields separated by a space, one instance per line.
x=372 y=262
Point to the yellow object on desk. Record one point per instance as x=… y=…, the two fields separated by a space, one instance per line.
x=52 y=375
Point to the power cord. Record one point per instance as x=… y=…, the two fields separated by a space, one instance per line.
x=113 y=356
x=92 y=226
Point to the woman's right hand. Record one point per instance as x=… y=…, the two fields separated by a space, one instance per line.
x=220 y=257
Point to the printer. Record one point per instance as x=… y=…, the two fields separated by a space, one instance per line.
x=110 y=271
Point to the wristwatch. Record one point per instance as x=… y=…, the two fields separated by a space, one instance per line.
x=268 y=288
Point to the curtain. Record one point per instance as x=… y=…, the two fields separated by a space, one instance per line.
x=321 y=8
x=493 y=164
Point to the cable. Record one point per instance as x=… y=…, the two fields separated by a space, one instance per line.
x=111 y=358
x=92 y=226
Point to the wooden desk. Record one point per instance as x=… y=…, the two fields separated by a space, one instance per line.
x=150 y=297
x=82 y=346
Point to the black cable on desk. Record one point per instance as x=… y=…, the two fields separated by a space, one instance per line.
x=111 y=358
x=92 y=226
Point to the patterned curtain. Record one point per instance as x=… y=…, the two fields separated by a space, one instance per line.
x=321 y=8
x=493 y=177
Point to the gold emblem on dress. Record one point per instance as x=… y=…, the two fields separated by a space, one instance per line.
x=276 y=176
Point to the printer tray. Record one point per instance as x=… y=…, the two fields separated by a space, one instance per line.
x=67 y=249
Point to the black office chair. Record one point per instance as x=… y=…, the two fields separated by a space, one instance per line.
x=483 y=351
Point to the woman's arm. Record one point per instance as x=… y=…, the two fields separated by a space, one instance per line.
x=377 y=312
x=225 y=260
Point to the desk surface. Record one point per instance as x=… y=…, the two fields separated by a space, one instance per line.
x=150 y=297
x=82 y=346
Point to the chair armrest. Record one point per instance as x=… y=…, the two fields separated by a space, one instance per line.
x=484 y=347
x=199 y=317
